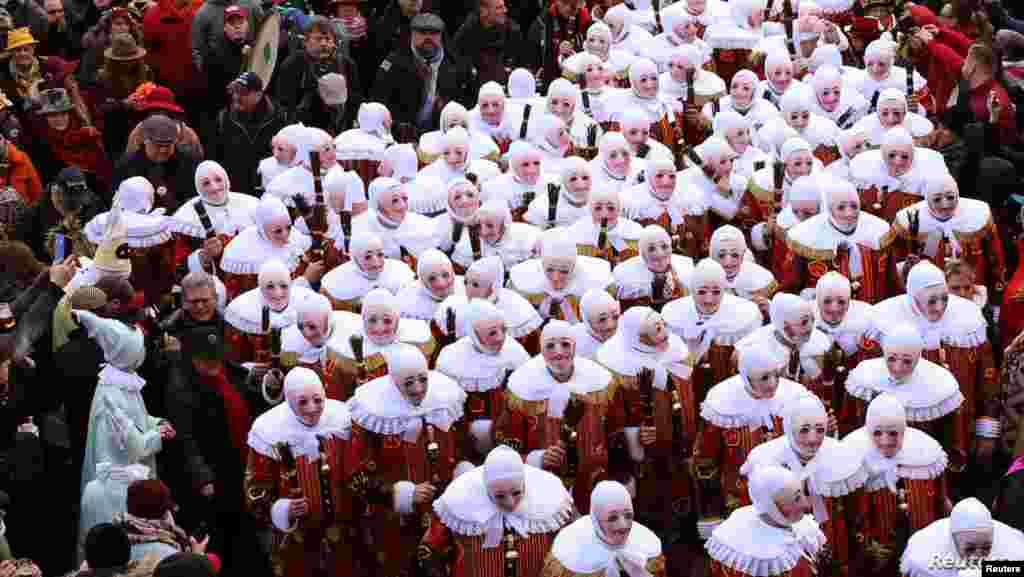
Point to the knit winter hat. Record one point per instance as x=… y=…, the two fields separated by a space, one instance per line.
x=149 y=499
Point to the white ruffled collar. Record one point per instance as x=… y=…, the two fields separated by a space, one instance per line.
x=921 y=457
x=533 y=382
x=467 y=509
x=834 y=471
x=816 y=232
x=751 y=278
x=228 y=218
x=418 y=302
x=140 y=230
x=413 y=332
x=379 y=407
x=280 y=425
x=293 y=341
x=621 y=357
x=414 y=232
x=632 y=277
x=735 y=318
x=747 y=544
x=590 y=273
x=477 y=371
x=580 y=550
x=247 y=252
x=970 y=217
x=347 y=282
x=936 y=541
x=245 y=312
x=850 y=331
x=585 y=232
x=962 y=325
x=930 y=393
x=729 y=405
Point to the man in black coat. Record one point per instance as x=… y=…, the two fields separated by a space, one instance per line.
x=492 y=42
x=299 y=74
x=171 y=167
x=242 y=133
x=416 y=82
x=212 y=419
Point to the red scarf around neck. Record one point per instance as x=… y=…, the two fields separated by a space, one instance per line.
x=236 y=410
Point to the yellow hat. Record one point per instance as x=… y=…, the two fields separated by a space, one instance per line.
x=106 y=259
x=20 y=37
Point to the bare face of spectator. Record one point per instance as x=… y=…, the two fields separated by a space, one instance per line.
x=319 y=44
x=410 y=8
x=120 y=25
x=243 y=99
x=58 y=121
x=567 y=8
x=426 y=43
x=492 y=13
x=236 y=28
x=23 y=55
x=54 y=11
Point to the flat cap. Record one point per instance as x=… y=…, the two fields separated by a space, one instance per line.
x=428 y=22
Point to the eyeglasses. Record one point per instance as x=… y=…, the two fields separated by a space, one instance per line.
x=55 y=12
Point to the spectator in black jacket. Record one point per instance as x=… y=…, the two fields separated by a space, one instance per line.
x=212 y=419
x=243 y=132
x=415 y=82
x=169 y=166
x=299 y=74
x=492 y=42
x=228 y=59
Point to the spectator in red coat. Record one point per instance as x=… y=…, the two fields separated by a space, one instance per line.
x=977 y=67
x=164 y=27
x=965 y=16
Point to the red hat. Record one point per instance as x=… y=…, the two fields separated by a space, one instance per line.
x=149 y=499
x=235 y=11
x=160 y=98
x=121 y=12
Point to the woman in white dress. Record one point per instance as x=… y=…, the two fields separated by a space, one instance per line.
x=121 y=430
